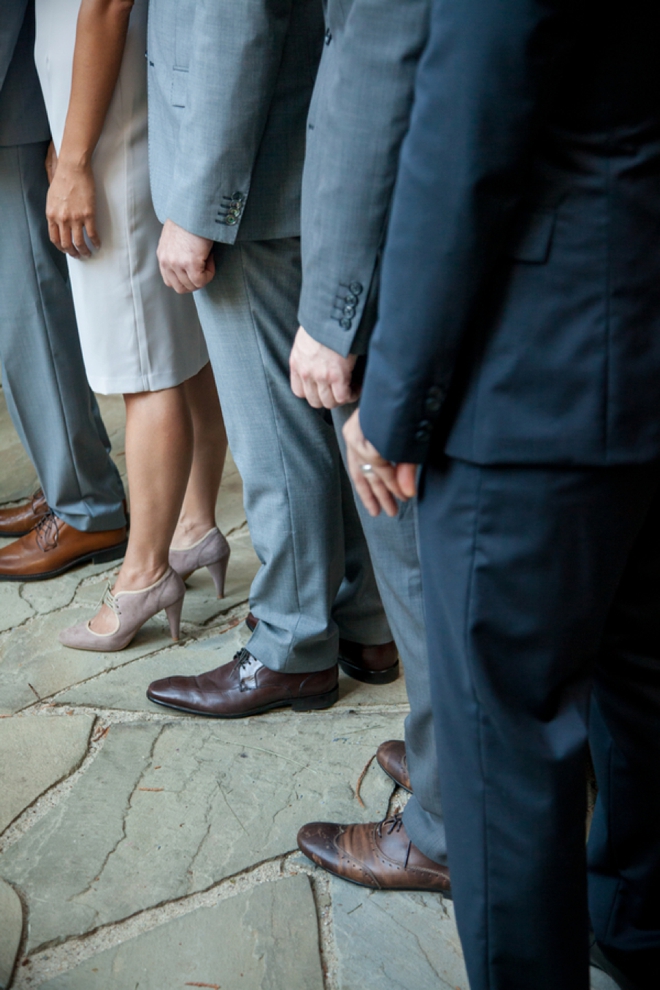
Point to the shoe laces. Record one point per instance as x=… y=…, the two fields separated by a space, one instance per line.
x=243 y=662
x=47 y=531
x=107 y=598
x=393 y=823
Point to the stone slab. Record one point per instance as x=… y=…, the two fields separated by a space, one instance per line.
x=11 y=929
x=35 y=753
x=13 y=608
x=167 y=810
x=393 y=940
x=34 y=665
x=263 y=939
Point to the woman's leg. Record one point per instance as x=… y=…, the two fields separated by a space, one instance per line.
x=210 y=447
x=159 y=453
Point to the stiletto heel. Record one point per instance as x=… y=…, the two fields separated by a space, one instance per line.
x=132 y=609
x=212 y=552
x=173 y=613
x=218 y=571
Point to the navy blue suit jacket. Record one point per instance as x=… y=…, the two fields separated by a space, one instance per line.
x=520 y=299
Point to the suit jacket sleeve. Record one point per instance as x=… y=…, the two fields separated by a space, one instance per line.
x=483 y=83
x=360 y=112
x=235 y=54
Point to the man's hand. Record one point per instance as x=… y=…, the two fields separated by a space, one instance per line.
x=319 y=374
x=384 y=482
x=186 y=260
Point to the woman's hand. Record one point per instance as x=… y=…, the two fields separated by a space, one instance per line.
x=71 y=209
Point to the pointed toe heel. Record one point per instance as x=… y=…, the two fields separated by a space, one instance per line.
x=132 y=609
x=173 y=613
x=212 y=552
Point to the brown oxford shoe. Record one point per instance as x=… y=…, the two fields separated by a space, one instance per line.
x=372 y=664
x=378 y=855
x=53 y=547
x=22 y=518
x=391 y=756
x=245 y=687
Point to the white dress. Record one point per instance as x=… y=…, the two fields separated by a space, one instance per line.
x=136 y=334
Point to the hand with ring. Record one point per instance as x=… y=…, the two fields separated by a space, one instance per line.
x=378 y=482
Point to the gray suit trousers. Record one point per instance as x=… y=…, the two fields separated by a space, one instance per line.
x=49 y=399
x=316 y=581
x=393 y=545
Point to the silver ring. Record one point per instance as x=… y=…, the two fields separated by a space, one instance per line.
x=366 y=469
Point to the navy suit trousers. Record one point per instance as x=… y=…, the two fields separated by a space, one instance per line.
x=542 y=598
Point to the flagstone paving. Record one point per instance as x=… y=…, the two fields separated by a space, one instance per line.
x=142 y=849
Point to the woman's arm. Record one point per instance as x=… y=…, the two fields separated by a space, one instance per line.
x=71 y=206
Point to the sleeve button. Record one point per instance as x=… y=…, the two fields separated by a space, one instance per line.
x=356 y=288
x=345 y=323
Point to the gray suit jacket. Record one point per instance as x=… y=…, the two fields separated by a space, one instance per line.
x=22 y=111
x=229 y=89
x=357 y=120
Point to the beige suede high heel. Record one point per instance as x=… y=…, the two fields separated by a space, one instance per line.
x=132 y=609
x=211 y=551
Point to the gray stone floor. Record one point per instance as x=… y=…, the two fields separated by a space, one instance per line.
x=141 y=850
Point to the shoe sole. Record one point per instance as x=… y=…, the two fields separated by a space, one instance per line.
x=367 y=676
x=314 y=703
x=98 y=557
x=359 y=883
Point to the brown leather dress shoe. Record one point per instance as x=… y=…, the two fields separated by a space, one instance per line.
x=391 y=756
x=22 y=518
x=372 y=664
x=245 y=687
x=53 y=547
x=378 y=855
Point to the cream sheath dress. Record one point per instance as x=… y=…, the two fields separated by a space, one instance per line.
x=136 y=334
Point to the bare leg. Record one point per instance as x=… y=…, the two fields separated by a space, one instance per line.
x=210 y=447
x=159 y=449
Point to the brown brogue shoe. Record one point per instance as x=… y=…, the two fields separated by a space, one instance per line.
x=22 y=518
x=391 y=757
x=371 y=664
x=376 y=854
x=53 y=547
x=245 y=687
